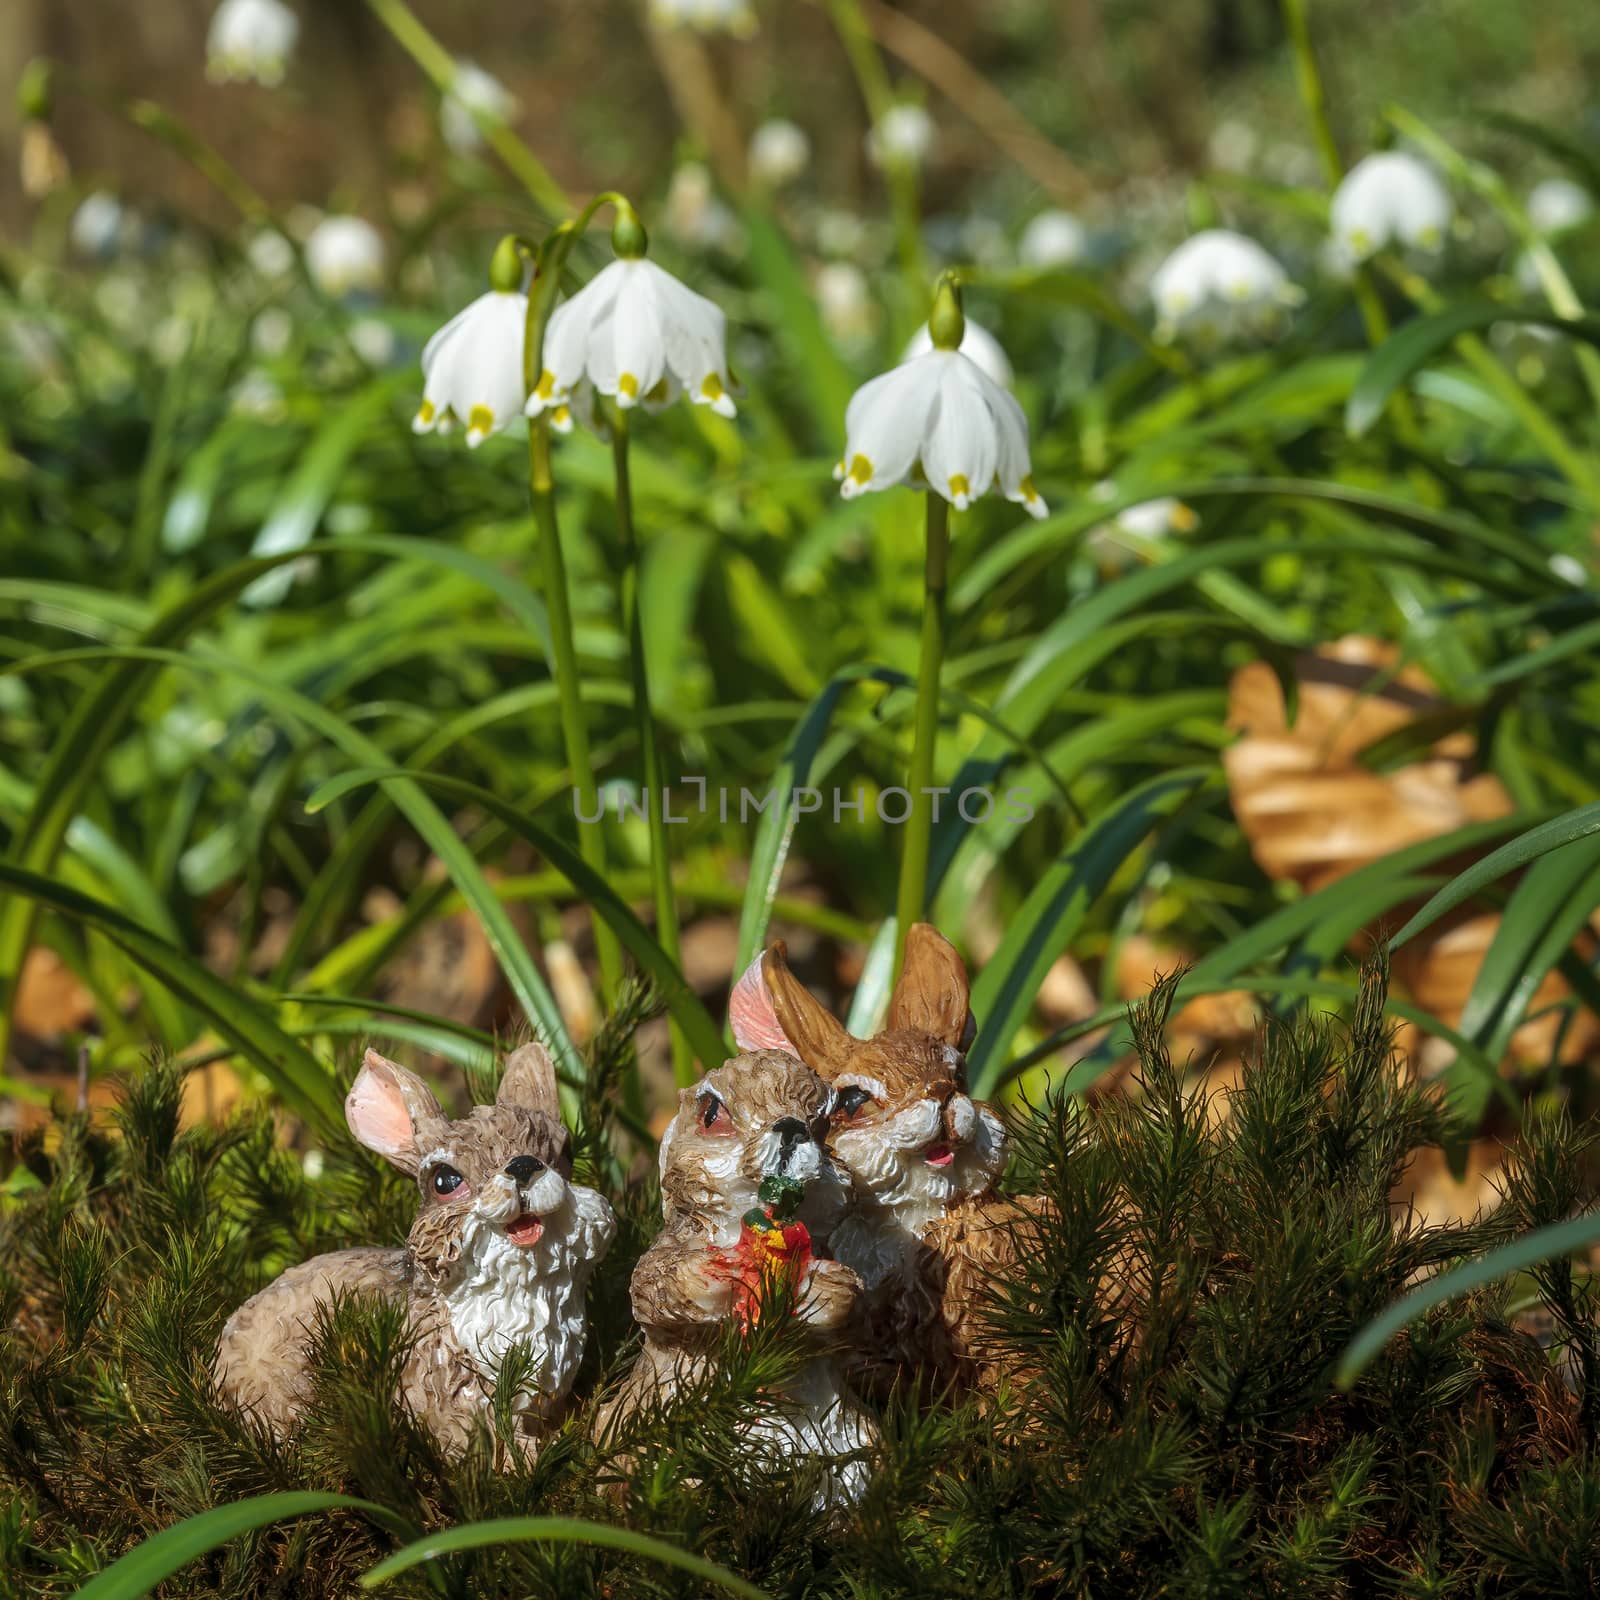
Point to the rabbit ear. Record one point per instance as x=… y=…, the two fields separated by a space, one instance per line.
x=815 y=1034
x=529 y=1081
x=385 y=1107
x=751 y=1016
x=933 y=994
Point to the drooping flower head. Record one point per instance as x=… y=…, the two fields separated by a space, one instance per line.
x=475 y=97
x=1558 y=204
x=472 y=367
x=1052 y=239
x=636 y=334
x=250 y=39
x=903 y=136
x=345 y=255
x=941 y=421
x=737 y=17
x=779 y=152
x=1390 y=199
x=1219 y=285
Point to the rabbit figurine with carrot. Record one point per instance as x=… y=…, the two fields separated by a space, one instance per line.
x=924 y=1228
x=502 y=1250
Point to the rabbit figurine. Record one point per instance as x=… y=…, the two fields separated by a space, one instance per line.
x=748 y=1190
x=924 y=1229
x=502 y=1249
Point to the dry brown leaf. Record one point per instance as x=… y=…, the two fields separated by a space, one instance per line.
x=50 y=1001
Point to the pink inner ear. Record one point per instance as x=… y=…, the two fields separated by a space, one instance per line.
x=377 y=1114
x=750 y=1014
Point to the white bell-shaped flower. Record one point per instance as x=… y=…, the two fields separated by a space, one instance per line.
x=779 y=152
x=737 y=17
x=472 y=367
x=978 y=345
x=1052 y=239
x=1219 y=284
x=903 y=136
x=1558 y=204
x=941 y=421
x=97 y=224
x=845 y=301
x=1390 y=199
x=475 y=97
x=637 y=335
x=345 y=255
x=250 y=39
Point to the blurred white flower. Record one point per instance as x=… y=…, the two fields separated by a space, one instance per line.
x=256 y=395
x=845 y=301
x=840 y=233
x=250 y=39
x=940 y=420
x=475 y=96
x=1218 y=285
x=345 y=255
x=779 y=152
x=984 y=242
x=96 y=225
x=693 y=214
x=978 y=345
x=1232 y=146
x=1052 y=239
x=271 y=332
x=270 y=253
x=1149 y=519
x=1391 y=198
x=902 y=137
x=1558 y=204
x=1570 y=570
x=634 y=332
x=472 y=368
x=373 y=340
x=737 y=17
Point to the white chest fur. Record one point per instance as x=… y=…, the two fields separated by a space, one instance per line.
x=874 y=1240
x=503 y=1292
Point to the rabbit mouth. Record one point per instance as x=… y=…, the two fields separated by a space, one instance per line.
x=525 y=1230
x=939 y=1155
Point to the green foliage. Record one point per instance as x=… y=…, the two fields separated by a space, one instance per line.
x=1169 y=1423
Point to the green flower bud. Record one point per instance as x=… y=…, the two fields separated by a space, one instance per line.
x=947 y=325
x=505 y=267
x=34 y=98
x=628 y=238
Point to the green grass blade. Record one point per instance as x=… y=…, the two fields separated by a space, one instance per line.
x=634 y=937
x=562 y=1530
x=169 y=1551
x=1543 y=1244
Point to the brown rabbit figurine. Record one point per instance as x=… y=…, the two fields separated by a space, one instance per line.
x=502 y=1249
x=924 y=1229
x=745 y=1140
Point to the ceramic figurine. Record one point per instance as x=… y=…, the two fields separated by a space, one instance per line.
x=924 y=1228
x=749 y=1191
x=502 y=1249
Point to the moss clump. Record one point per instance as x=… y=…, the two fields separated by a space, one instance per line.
x=1172 y=1428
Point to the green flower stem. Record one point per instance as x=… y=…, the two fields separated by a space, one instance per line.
x=574 y=730
x=867 y=65
x=919 y=826
x=440 y=67
x=666 y=903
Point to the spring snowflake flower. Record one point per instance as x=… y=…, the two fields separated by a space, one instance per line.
x=1052 y=239
x=472 y=367
x=844 y=301
x=694 y=216
x=902 y=137
x=636 y=334
x=978 y=345
x=1559 y=204
x=1390 y=198
x=939 y=420
x=96 y=226
x=779 y=152
x=250 y=39
x=1220 y=284
x=737 y=17
x=475 y=97
x=345 y=255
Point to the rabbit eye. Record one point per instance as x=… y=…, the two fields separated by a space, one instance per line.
x=714 y=1116
x=446 y=1180
x=851 y=1100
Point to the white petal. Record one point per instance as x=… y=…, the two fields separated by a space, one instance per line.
x=884 y=427
x=960 y=450
x=638 y=349
x=696 y=335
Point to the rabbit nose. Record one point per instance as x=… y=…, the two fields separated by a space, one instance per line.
x=522 y=1170
x=791 y=1131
